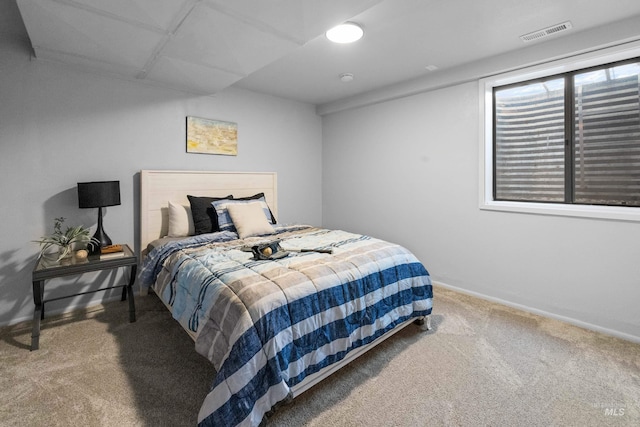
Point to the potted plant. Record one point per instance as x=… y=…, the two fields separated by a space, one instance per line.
x=65 y=240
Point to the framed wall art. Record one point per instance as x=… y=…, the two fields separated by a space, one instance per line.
x=208 y=136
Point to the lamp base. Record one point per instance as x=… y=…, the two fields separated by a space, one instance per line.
x=99 y=239
x=103 y=240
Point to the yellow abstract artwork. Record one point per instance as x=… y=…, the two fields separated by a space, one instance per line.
x=212 y=136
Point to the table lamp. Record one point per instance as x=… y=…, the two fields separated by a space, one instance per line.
x=98 y=195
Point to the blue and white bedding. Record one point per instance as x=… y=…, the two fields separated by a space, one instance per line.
x=267 y=325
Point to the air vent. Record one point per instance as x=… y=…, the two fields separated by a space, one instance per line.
x=546 y=32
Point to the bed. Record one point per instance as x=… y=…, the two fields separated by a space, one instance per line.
x=275 y=321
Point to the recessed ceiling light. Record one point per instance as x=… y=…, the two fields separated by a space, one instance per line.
x=346 y=77
x=348 y=32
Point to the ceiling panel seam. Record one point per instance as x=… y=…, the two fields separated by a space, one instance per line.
x=70 y=54
x=176 y=23
x=255 y=23
x=103 y=13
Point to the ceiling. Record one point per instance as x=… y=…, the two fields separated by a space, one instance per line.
x=278 y=46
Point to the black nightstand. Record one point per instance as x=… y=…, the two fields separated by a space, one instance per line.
x=48 y=268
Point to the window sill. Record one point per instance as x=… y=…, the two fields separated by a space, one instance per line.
x=618 y=213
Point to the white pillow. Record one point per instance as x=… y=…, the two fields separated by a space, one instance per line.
x=180 y=221
x=249 y=219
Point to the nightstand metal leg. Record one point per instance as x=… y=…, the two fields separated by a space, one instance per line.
x=38 y=313
x=132 y=304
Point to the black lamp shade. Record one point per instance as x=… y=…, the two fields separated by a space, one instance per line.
x=98 y=194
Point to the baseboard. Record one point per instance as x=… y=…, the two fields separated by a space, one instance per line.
x=67 y=309
x=570 y=320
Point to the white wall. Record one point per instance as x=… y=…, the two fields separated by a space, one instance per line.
x=59 y=127
x=407 y=170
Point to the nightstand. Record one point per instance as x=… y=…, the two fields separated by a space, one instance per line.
x=47 y=267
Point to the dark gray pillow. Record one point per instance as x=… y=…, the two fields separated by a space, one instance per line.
x=205 y=219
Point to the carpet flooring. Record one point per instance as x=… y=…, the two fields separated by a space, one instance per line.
x=482 y=364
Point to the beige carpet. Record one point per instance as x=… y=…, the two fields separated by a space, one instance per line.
x=483 y=364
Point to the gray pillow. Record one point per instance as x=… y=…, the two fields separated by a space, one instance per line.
x=205 y=218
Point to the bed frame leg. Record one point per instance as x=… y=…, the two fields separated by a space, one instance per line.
x=424 y=323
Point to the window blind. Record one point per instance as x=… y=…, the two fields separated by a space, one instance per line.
x=572 y=138
x=529 y=143
x=607 y=141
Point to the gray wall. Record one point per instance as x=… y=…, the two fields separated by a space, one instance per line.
x=406 y=169
x=59 y=127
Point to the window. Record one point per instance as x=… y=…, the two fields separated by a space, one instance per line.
x=573 y=138
x=564 y=142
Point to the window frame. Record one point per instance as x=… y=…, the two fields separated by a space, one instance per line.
x=486 y=129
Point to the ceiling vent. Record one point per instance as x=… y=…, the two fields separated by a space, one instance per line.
x=546 y=32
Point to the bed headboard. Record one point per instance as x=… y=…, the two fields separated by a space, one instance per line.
x=158 y=187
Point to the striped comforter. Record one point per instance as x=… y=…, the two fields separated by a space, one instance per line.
x=266 y=325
